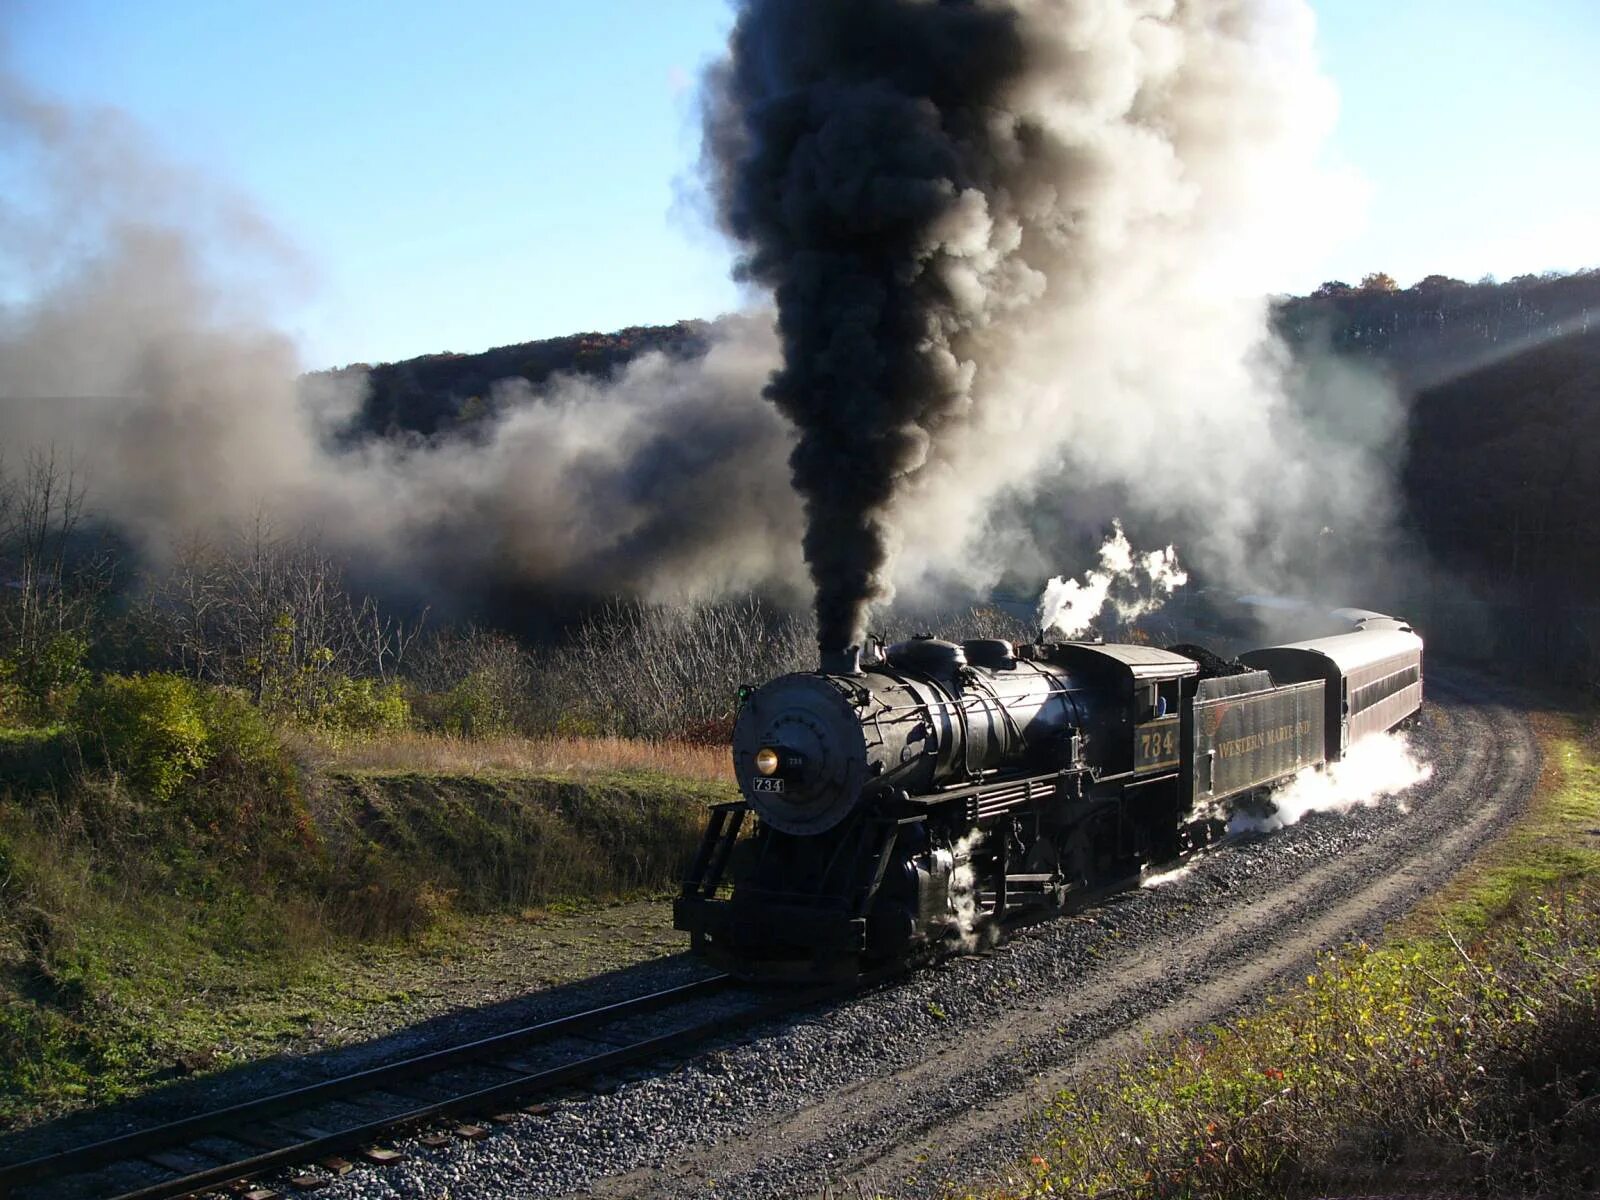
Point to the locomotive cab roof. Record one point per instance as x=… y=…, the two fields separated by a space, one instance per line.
x=1126 y=662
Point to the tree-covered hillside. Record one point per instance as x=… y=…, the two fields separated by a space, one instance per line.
x=439 y=392
x=1502 y=384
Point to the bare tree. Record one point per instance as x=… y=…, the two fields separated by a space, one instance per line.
x=675 y=670
x=51 y=579
x=272 y=614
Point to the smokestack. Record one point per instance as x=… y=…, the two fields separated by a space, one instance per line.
x=841 y=662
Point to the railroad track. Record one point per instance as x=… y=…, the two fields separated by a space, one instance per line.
x=314 y=1124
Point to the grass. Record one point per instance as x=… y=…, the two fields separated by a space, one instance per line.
x=1554 y=846
x=108 y=978
x=1460 y=1055
x=196 y=1006
x=141 y=938
x=444 y=754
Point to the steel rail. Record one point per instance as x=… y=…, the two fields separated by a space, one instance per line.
x=540 y=1081
x=174 y=1134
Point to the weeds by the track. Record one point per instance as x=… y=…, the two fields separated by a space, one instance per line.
x=1460 y=1056
x=1554 y=846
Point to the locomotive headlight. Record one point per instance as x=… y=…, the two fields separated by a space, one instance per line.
x=767 y=761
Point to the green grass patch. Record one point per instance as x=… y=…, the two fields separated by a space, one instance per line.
x=1461 y=1055
x=115 y=958
x=1554 y=846
x=172 y=904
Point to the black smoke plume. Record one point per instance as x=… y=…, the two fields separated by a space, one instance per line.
x=853 y=147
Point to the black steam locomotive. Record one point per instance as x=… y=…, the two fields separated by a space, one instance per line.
x=928 y=798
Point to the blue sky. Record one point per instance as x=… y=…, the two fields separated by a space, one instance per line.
x=490 y=171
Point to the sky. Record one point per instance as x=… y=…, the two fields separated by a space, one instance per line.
x=462 y=176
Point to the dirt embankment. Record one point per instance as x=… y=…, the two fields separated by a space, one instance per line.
x=498 y=842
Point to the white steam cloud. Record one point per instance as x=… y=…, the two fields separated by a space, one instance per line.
x=1376 y=768
x=1162 y=878
x=1131 y=584
x=964 y=892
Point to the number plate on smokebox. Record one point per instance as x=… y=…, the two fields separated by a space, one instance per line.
x=760 y=784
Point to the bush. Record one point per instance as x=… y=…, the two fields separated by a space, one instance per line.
x=228 y=792
x=475 y=707
x=362 y=707
x=149 y=728
x=41 y=686
x=51 y=677
x=473 y=682
x=238 y=733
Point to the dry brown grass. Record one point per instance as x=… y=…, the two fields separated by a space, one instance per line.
x=443 y=754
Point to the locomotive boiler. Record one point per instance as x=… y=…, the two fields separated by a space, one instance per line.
x=931 y=796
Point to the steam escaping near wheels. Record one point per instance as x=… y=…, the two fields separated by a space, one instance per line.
x=1376 y=769
x=1162 y=878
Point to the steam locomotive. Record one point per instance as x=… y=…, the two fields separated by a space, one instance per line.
x=927 y=799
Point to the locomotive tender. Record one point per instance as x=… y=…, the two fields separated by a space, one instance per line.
x=924 y=800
